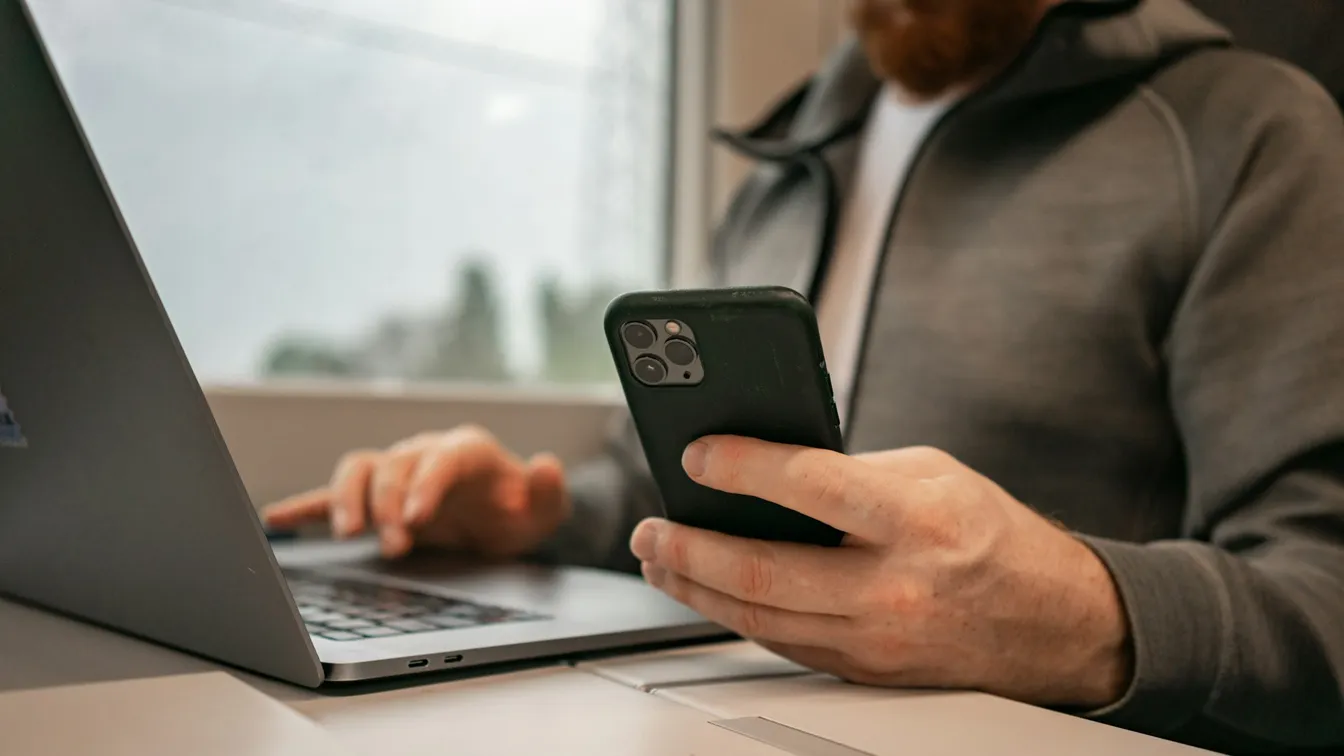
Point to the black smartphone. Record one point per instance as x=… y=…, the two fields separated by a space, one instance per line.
x=738 y=361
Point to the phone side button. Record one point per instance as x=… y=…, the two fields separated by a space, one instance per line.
x=835 y=414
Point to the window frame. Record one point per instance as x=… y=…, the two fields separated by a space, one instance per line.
x=731 y=58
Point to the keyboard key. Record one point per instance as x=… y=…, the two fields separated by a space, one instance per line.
x=448 y=621
x=350 y=624
x=356 y=612
x=412 y=626
x=463 y=610
x=323 y=618
x=340 y=609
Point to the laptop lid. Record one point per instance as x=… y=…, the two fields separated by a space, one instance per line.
x=119 y=502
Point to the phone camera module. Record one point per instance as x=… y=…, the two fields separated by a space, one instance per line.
x=679 y=352
x=650 y=370
x=639 y=335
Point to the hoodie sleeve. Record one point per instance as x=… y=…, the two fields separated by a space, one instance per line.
x=611 y=494
x=1238 y=630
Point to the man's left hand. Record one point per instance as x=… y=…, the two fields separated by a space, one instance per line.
x=944 y=581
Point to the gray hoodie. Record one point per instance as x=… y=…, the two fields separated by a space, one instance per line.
x=1114 y=284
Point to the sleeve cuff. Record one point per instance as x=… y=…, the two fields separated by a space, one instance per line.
x=1176 y=621
x=596 y=532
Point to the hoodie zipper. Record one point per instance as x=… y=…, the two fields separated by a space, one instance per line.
x=916 y=164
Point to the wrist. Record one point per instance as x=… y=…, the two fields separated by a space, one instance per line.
x=1106 y=657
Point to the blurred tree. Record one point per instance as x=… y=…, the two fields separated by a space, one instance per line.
x=575 y=350
x=394 y=348
x=466 y=339
x=307 y=357
x=463 y=342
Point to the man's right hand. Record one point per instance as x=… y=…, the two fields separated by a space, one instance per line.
x=457 y=490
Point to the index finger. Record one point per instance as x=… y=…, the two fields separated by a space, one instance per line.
x=799 y=578
x=838 y=490
x=310 y=506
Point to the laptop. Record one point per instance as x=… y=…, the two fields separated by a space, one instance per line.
x=120 y=504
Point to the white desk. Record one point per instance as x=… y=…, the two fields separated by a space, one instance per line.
x=211 y=714
x=899 y=723
x=550 y=711
x=557 y=710
x=697 y=665
x=674 y=703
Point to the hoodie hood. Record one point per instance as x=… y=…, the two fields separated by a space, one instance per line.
x=1078 y=43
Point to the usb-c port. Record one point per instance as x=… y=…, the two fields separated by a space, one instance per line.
x=419 y=663
x=454 y=659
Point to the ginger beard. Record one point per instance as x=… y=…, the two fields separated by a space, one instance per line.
x=931 y=47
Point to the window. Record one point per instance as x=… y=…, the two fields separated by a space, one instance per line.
x=382 y=190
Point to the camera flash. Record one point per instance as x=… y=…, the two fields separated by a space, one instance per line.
x=673 y=327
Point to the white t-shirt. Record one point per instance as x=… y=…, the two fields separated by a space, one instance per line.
x=894 y=134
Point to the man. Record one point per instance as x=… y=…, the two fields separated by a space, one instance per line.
x=1082 y=305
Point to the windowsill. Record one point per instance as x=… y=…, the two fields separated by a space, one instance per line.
x=287 y=437
x=318 y=390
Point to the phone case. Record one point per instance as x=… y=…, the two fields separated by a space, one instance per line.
x=761 y=374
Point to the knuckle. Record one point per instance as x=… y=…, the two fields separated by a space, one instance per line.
x=676 y=552
x=357 y=460
x=474 y=435
x=820 y=482
x=726 y=463
x=907 y=599
x=929 y=458
x=756 y=579
x=468 y=442
x=935 y=517
x=752 y=621
x=387 y=486
x=423 y=478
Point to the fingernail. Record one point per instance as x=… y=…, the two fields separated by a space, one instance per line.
x=693 y=459
x=654 y=574
x=644 y=542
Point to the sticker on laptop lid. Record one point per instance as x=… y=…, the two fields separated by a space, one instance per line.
x=11 y=435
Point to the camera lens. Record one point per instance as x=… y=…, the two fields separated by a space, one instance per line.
x=679 y=352
x=639 y=335
x=650 y=370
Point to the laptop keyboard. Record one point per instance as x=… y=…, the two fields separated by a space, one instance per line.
x=349 y=610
